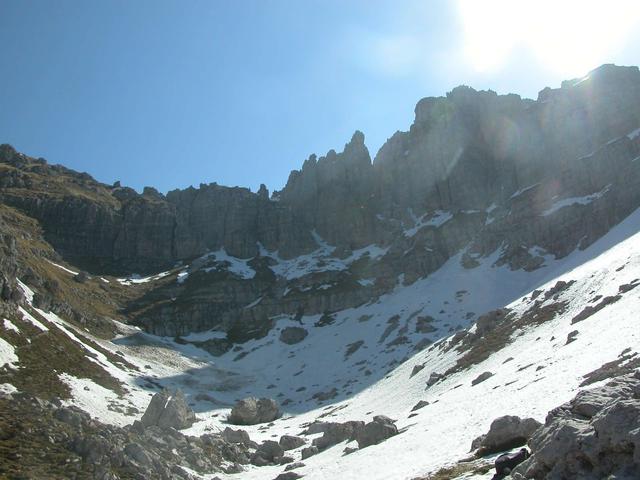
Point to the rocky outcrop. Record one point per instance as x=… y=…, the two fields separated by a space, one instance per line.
x=505 y=433
x=290 y=442
x=334 y=433
x=251 y=411
x=593 y=436
x=42 y=432
x=168 y=409
x=376 y=431
x=267 y=453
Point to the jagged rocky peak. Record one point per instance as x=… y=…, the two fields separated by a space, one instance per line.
x=333 y=191
x=349 y=166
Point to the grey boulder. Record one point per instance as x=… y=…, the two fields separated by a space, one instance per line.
x=505 y=433
x=168 y=409
x=293 y=335
x=251 y=411
x=376 y=431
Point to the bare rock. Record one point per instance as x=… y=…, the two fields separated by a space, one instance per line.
x=293 y=466
x=290 y=442
x=293 y=335
x=376 y=431
x=335 y=433
x=481 y=378
x=168 y=409
x=419 y=405
x=251 y=411
x=505 y=433
x=309 y=452
x=593 y=436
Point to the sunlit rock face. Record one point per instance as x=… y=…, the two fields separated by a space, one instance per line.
x=476 y=171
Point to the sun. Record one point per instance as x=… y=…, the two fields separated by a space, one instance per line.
x=566 y=36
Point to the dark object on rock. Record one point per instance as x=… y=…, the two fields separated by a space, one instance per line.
x=251 y=411
x=376 y=431
x=481 y=378
x=293 y=335
x=505 y=433
x=508 y=461
x=168 y=409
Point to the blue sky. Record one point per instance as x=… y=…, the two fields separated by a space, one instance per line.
x=177 y=93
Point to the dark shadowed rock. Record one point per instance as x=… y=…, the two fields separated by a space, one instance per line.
x=434 y=378
x=293 y=466
x=293 y=335
x=267 y=453
x=481 y=378
x=376 y=431
x=417 y=368
x=290 y=442
x=335 y=433
x=419 y=405
x=288 y=476
x=309 y=452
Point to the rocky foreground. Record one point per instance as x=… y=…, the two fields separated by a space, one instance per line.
x=596 y=435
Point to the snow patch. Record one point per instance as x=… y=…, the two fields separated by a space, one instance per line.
x=436 y=219
x=566 y=202
x=7 y=354
x=523 y=190
x=137 y=279
x=62 y=268
x=10 y=326
x=31 y=319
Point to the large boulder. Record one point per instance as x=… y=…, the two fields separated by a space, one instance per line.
x=251 y=411
x=293 y=335
x=168 y=409
x=237 y=436
x=334 y=433
x=596 y=435
x=267 y=453
x=505 y=433
x=290 y=442
x=376 y=431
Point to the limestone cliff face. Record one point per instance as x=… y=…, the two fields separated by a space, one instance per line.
x=114 y=229
x=476 y=172
x=335 y=191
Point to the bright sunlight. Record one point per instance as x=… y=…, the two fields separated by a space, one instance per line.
x=568 y=37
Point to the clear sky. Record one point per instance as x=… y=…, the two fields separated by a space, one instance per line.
x=240 y=92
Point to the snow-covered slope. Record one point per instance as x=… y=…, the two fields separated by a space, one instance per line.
x=358 y=362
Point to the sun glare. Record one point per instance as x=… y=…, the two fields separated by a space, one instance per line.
x=568 y=37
